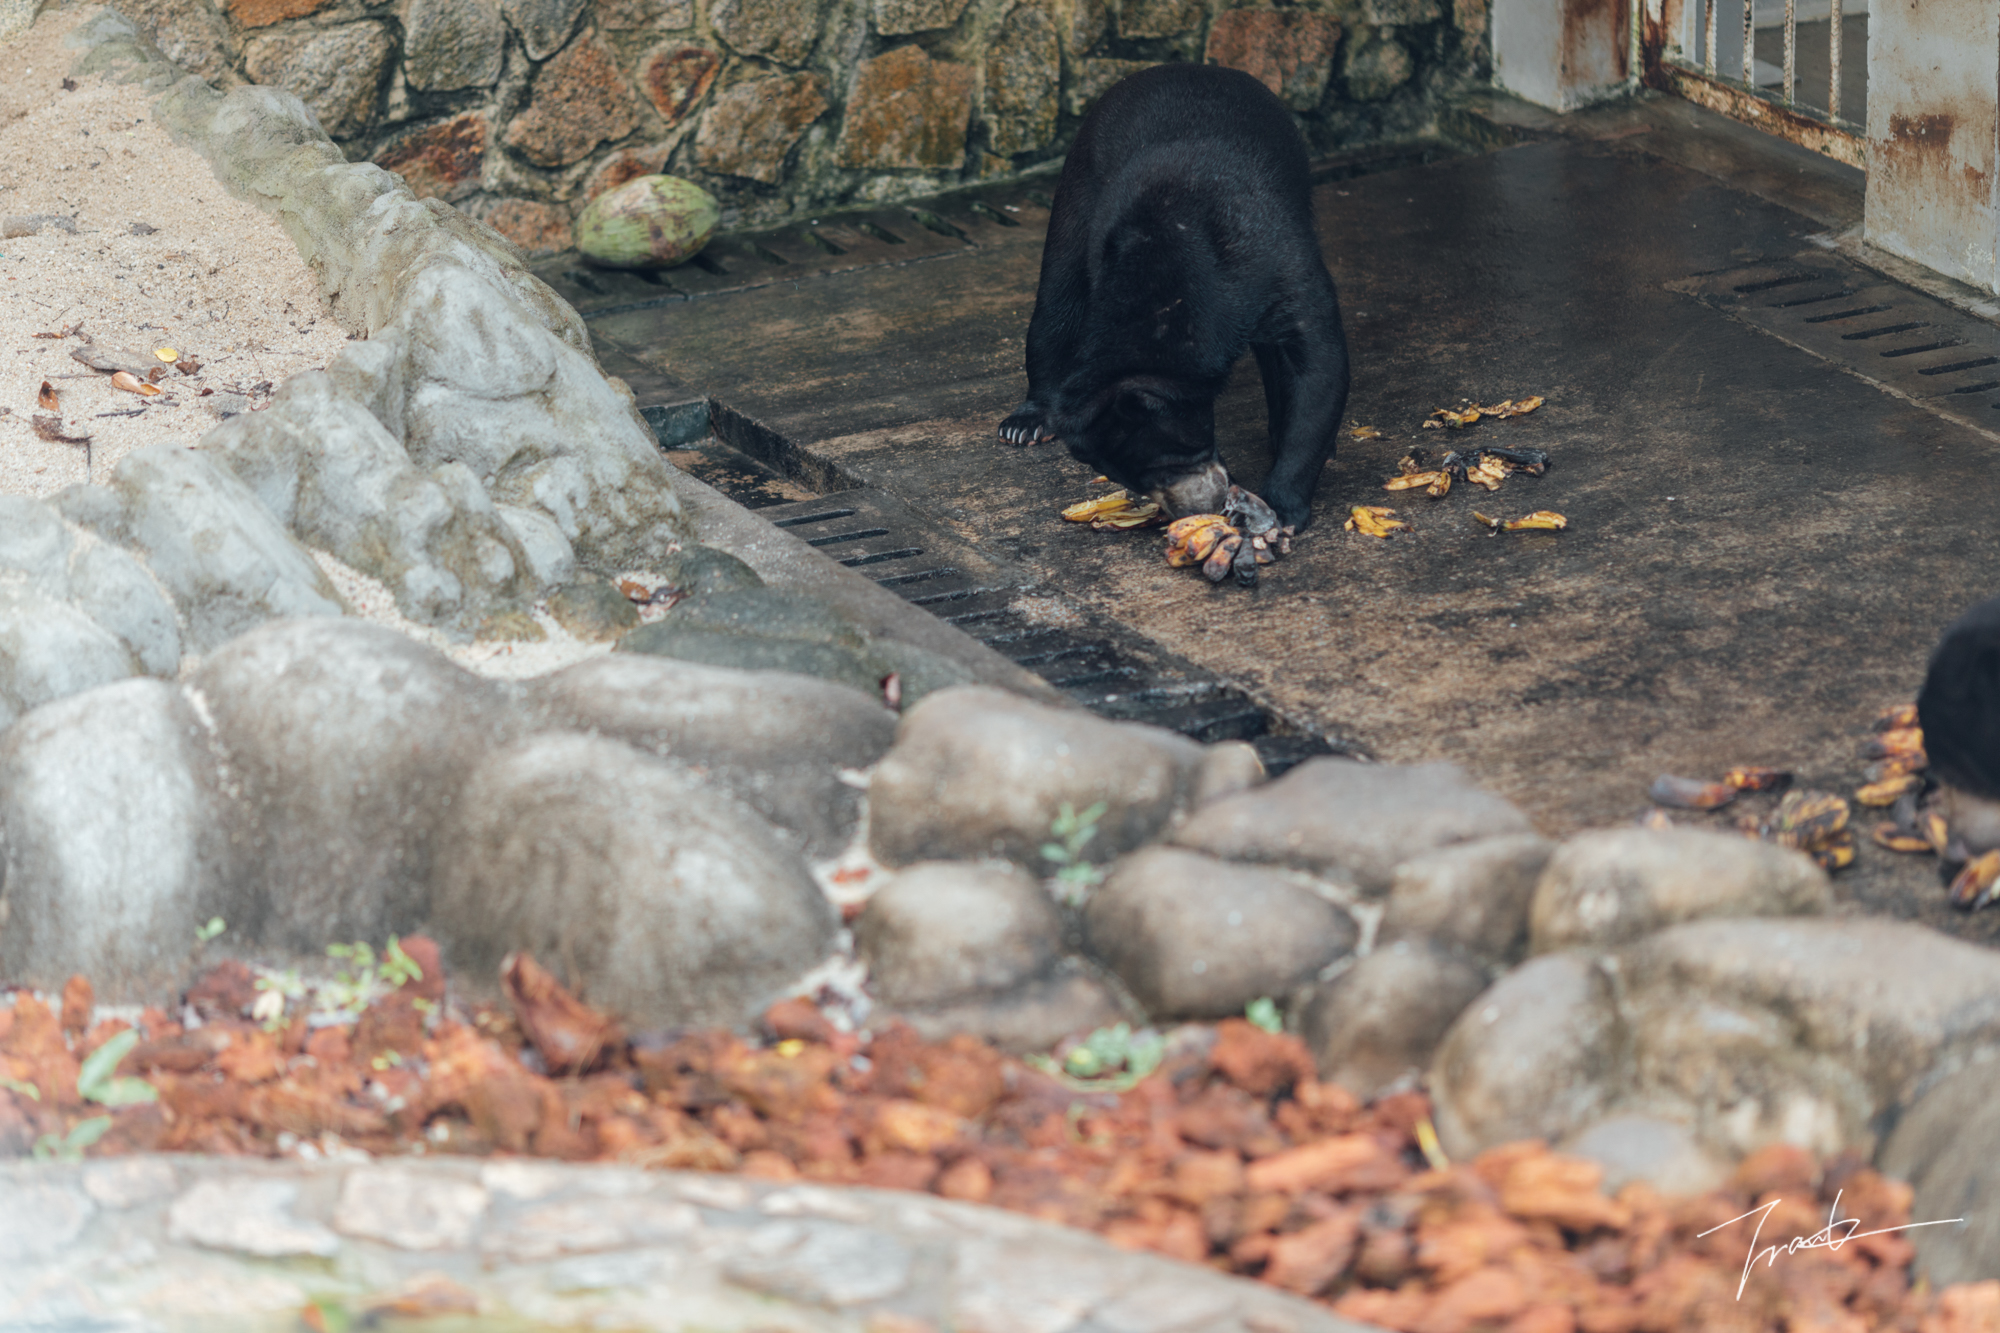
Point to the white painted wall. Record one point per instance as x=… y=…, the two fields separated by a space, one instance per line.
x=1934 y=135
x=1561 y=54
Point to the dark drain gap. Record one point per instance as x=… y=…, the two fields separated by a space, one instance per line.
x=1847 y=314
x=824 y=244
x=1884 y=331
x=882 y=234
x=586 y=280
x=1984 y=386
x=1842 y=294
x=1957 y=366
x=856 y=561
x=708 y=263
x=1788 y=280
x=1927 y=347
x=837 y=539
x=925 y=576
x=802 y=519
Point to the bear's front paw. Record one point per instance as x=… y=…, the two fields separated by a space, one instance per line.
x=1025 y=425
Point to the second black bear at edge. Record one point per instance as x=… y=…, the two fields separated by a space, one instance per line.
x=1182 y=234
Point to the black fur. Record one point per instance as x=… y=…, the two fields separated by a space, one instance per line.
x=1182 y=235
x=1959 y=706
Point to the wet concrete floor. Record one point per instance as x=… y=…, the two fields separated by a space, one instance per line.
x=1761 y=545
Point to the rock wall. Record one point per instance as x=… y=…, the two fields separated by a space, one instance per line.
x=519 y=111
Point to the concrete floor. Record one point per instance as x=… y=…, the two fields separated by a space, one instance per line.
x=1762 y=546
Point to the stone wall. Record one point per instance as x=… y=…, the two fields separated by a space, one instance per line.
x=519 y=111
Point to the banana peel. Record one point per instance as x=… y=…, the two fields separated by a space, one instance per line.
x=1409 y=481
x=1757 y=779
x=1690 y=793
x=1888 y=834
x=1886 y=791
x=1893 y=742
x=1897 y=717
x=1363 y=433
x=1459 y=418
x=1118 y=510
x=1542 y=520
x=1973 y=886
x=1374 y=521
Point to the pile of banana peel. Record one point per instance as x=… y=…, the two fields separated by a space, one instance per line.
x=1487 y=466
x=1819 y=823
x=1460 y=417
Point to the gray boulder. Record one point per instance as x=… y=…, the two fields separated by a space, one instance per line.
x=765 y=629
x=1471 y=897
x=978 y=773
x=1664 y=1153
x=1193 y=937
x=114 y=849
x=943 y=931
x=347 y=745
x=49 y=649
x=227 y=562
x=1608 y=886
x=330 y=471
x=776 y=741
x=592 y=609
x=547 y=551
x=34 y=542
x=1747 y=1031
x=110 y=585
x=1376 y=1025
x=1355 y=820
x=1031 y=1017
x=1948 y=1147
x=1539 y=1054
x=669 y=904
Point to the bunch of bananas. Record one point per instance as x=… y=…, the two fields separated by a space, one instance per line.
x=1214 y=543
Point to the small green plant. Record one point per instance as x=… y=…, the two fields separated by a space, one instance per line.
x=26 y=1089
x=363 y=977
x=97 y=1079
x=1072 y=831
x=1263 y=1011
x=215 y=926
x=69 y=1148
x=1108 y=1060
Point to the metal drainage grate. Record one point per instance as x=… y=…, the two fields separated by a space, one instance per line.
x=1917 y=345
x=1102 y=665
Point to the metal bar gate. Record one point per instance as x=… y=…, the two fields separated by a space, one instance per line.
x=1706 y=51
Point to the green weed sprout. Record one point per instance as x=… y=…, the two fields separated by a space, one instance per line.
x=1072 y=831
x=1110 y=1059
x=1263 y=1011
x=97 y=1081
x=203 y=934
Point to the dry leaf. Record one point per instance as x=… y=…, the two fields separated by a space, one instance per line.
x=47 y=397
x=167 y=354
x=570 y=1035
x=187 y=365
x=51 y=429
x=130 y=383
x=635 y=591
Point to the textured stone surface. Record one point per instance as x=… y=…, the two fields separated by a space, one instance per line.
x=263 y=13
x=538 y=228
x=1094 y=77
x=17 y=16
x=977 y=772
x=675 y=78
x=1472 y=897
x=441 y=160
x=113 y=849
x=1661 y=1152
x=544 y=25
x=547 y=551
x=1346 y=818
x=1031 y=1017
x=943 y=931
x=336 y=71
x=1193 y=937
x=1023 y=71
x=49 y=649
x=592 y=609
x=659 y=15
x=191 y=33
x=664 y=902
x=1376 y=1025
x=196 y=1246
x=1401 y=13
x=247 y=1215
x=1944 y=1146
x=1375 y=66
x=783 y=30
x=1538 y=1055
x=778 y=742
x=450 y=44
x=227 y=562
x=325 y=466
x=1609 y=886
x=749 y=128
x=347 y=744
x=893 y=18
x=907 y=110
x=1161 y=18
x=1288 y=51
x=579 y=101
x=626 y=164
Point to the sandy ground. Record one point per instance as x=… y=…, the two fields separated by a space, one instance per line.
x=214 y=280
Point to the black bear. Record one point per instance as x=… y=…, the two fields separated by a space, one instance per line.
x=1182 y=234
x=1959 y=711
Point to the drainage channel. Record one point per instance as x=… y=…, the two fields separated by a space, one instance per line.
x=1105 y=666
x=1902 y=340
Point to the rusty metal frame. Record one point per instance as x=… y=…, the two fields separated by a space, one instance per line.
x=1662 y=66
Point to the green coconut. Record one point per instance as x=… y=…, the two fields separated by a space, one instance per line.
x=649 y=222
